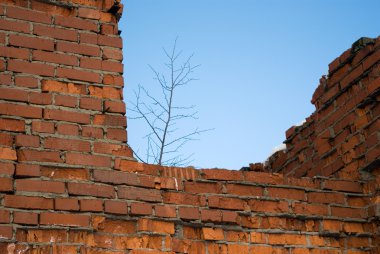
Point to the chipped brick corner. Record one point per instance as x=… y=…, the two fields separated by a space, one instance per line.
x=69 y=183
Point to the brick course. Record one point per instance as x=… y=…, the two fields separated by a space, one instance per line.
x=69 y=182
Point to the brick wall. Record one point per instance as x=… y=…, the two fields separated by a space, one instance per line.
x=69 y=183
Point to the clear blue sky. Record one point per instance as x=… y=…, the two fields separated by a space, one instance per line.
x=260 y=64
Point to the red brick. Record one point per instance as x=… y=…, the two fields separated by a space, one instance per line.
x=69 y=116
x=62 y=87
x=165 y=211
x=20 y=110
x=77 y=23
x=27 y=170
x=88 y=13
x=268 y=206
x=114 y=80
x=112 y=149
x=140 y=194
x=12 y=125
x=69 y=47
x=6 y=232
x=346 y=186
x=6 y=139
x=141 y=209
x=301 y=208
x=117 y=134
x=25 y=218
x=115 y=207
x=345 y=212
x=287 y=239
x=40 y=98
x=199 y=187
x=226 y=203
x=110 y=120
x=34 y=155
x=29 y=15
x=91 y=38
x=55 y=58
x=117 y=178
x=154 y=226
x=67 y=144
x=244 y=190
x=31 y=68
x=91 y=103
x=115 y=54
x=75 y=220
x=107 y=40
x=88 y=160
x=66 y=204
x=40 y=186
x=54 y=32
x=213 y=234
x=229 y=217
x=326 y=198
x=211 y=215
x=96 y=190
x=4 y=216
x=25 y=202
x=25 y=81
x=18 y=53
x=105 y=92
x=180 y=198
x=91 y=205
x=189 y=213
x=112 y=66
x=31 y=42
x=78 y=75
x=8 y=25
x=65 y=173
x=44 y=127
x=114 y=106
x=2 y=38
x=6 y=184
x=90 y=63
x=286 y=193
x=7 y=168
x=92 y=132
x=8 y=154
x=27 y=141
x=68 y=129
x=5 y=79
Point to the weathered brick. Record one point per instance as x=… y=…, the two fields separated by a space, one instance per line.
x=7 y=154
x=74 y=220
x=87 y=189
x=155 y=226
x=27 y=141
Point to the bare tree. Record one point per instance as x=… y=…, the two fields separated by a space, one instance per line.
x=164 y=140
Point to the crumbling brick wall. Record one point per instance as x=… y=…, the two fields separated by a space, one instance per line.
x=69 y=183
